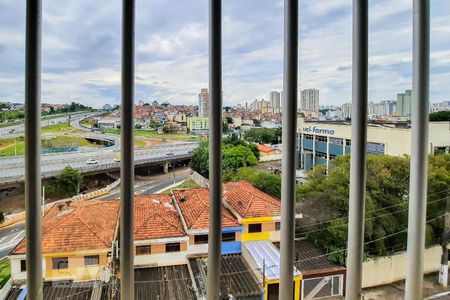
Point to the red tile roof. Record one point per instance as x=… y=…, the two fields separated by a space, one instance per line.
x=250 y=202
x=194 y=205
x=264 y=148
x=79 y=226
x=156 y=217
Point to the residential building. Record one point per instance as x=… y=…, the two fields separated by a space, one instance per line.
x=193 y=207
x=159 y=236
x=404 y=104
x=346 y=111
x=257 y=211
x=77 y=241
x=203 y=103
x=321 y=142
x=310 y=100
x=198 y=125
x=275 y=99
x=439 y=106
x=108 y=123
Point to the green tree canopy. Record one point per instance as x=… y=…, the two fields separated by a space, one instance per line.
x=386 y=203
x=263 y=135
x=68 y=181
x=440 y=116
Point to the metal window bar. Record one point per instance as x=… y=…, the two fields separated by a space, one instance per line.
x=358 y=151
x=289 y=128
x=215 y=151
x=33 y=148
x=419 y=149
x=127 y=152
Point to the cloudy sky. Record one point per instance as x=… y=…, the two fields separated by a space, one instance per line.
x=81 y=49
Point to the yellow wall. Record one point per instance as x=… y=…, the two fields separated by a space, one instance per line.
x=297 y=285
x=77 y=270
x=267 y=226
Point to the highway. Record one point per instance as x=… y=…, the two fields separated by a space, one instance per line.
x=13 y=167
x=16 y=130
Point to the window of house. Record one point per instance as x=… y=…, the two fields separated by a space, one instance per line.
x=60 y=263
x=201 y=239
x=308 y=137
x=348 y=143
x=321 y=154
x=336 y=141
x=23 y=265
x=277 y=226
x=228 y=237
x=143 y=250
x=254 y=228
x=321 y=138
x=91 y=260
x=173 y=247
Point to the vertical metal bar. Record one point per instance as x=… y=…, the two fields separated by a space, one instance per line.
x=215 y=150
x=419 y=149
x=33 y=148
x=127 y=152
x=290 y=87
x=358 y=150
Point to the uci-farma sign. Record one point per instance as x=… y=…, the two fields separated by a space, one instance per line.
x=314 y=129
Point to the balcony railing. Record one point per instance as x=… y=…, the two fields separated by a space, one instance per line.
x=416 y=232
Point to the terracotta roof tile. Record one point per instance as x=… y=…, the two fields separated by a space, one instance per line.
x=194 y=205
x=250 y=202
x=264 y=148
x=80 y=226
x=156 y=217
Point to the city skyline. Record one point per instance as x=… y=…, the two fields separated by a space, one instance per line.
x=81 y=61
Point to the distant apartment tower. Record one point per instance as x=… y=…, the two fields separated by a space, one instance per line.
x=346 y=111
x=275 y=99
x=404 y=104
x=203 y=103
x=310 y=100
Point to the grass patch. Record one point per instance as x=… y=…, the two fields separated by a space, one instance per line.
x=139 y=143
x=8 y=147
x=187 y=184
x=62 y=127
x=65 y=141
x=154 y=134
x=5 y=272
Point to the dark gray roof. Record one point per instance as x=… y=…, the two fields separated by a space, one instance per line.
x=310 y=258
x=237 y=280
x=170 y=282
x=61 y=290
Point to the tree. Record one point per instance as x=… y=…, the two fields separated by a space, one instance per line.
x=68 y=181
x=236 y=154
x=440 y=116
x=138 y=126
x=229 y=120
x=386 y=203
x=256 y=122
x=260 y=135
x=265 y=181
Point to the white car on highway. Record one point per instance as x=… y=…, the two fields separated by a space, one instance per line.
x=169 y=153
x=92 y=161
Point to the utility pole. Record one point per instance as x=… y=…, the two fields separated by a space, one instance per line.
x=443 y=270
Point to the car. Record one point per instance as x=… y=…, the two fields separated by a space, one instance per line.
x=169 y=153
x=91 y=161
x=117 y=158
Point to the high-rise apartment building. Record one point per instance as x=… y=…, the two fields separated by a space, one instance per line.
x=203 y=103
x=310 y=100
x=275 y=99
x=404 y=104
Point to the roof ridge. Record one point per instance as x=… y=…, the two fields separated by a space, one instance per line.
x=89 y=227
x=170 y=223
x=57 y=223
x=248 y=205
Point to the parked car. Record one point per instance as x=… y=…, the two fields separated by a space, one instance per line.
x=91 y=161
x=169 y=153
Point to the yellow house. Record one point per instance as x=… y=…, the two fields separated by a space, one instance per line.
x=77 y=242
x=257 y=211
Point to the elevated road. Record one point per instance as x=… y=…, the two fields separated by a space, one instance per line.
x=12 y=169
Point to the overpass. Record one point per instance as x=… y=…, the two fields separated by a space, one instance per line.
x=12 y=168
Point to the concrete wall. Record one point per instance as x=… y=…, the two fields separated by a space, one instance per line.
x=199 y=179
x=393 y=268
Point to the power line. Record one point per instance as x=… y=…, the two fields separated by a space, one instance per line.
x=369 y=212
x=343 y=225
